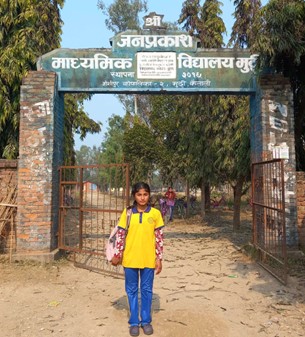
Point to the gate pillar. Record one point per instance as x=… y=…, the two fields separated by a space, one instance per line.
x=40 y=154
x=272 y=136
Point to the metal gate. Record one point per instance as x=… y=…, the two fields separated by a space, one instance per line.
x=269 y=231
x=92 y=198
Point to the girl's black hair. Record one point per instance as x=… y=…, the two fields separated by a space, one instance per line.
x=138 y=186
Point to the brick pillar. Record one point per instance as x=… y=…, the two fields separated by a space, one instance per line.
x=301 y=208
x=40 y=154
x=272 y=136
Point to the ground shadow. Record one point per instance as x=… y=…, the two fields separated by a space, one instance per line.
x=122 y=303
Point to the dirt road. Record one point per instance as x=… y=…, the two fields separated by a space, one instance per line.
x=208 y=288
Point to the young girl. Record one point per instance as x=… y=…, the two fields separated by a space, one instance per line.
x=142 y=256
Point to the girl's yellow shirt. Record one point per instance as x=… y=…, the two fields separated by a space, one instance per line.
x=140 y=244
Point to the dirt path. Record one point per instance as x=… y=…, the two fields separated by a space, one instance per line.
x=207 y=288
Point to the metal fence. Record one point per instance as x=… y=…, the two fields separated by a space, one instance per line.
x=269 y=231
x=91 y=200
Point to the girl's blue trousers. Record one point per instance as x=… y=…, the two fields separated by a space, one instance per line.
x=146 y=276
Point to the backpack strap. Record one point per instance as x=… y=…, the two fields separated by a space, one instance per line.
x=128 y=213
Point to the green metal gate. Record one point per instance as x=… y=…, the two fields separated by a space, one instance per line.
x=92 y=198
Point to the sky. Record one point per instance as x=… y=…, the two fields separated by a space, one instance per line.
x=84 y=27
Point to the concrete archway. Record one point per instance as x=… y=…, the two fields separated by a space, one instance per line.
x=153 y=61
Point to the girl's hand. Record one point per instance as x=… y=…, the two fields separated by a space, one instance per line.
x=115 y=261
x=158 y=268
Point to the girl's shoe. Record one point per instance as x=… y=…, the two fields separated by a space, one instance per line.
x=134 y=330
x=148 y=329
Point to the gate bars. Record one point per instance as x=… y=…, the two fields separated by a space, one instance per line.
x=92 y=198
x=269 y=230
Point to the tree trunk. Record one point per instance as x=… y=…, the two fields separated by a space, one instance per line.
x=202 y=206
x=207 y=191
x=237 y=202
x=188 y=199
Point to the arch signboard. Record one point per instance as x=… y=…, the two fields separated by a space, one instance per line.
x=151 y=61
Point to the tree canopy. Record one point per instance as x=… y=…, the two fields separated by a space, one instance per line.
x=123 y=14
x=280 y=42
x=29 y=29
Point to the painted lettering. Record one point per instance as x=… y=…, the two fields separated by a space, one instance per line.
x=245 y=64
x=99 y=61
x=155 y=41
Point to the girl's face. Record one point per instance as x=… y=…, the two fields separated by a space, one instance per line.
x=142 y=197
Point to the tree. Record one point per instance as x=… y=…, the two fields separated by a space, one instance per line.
x=87 y=155
x=211 y=26
x=112 y=146
x=28 y=29
x=123 y=14
x=216 y=153
x=280 y=43
x=76 y=121
x=140 y=151
x=244 y=34
x=232 y=147
x=164 y=118
x=206 y=24
x=189 y=16
x=247 y=12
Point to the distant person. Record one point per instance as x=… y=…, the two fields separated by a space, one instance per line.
x=142 y=246
x=170 y=196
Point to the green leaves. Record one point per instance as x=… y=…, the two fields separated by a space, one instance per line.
x=280 y=42
x=27 y=30
x=123 y=14
x=112 y=146
x=140 y=150
x=247 y=19
x=285 y=26
x=204 y=22
x=76 y=121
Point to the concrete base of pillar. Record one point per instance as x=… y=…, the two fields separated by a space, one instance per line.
x=42 y=257
x=295 y=254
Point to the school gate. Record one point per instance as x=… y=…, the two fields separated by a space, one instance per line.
x=152 y=60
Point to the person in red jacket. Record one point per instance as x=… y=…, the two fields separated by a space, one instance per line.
x=170 y=196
